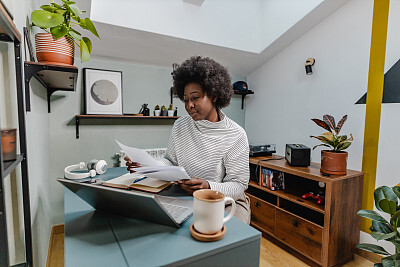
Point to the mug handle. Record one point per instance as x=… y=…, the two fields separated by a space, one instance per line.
x=230 y=215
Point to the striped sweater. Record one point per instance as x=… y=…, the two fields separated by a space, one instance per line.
x=215 y=151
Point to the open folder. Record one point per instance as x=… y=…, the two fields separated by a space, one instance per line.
x=152 y=168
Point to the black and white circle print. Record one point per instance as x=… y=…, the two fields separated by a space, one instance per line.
x=104 y=92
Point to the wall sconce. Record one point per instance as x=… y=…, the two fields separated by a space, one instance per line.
x=309 y=63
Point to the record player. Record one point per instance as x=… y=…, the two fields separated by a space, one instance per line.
x=261 y=150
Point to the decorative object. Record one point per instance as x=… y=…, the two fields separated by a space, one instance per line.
x=386 y=200
x=145 y=110
x=103 y=91
x=176 y=111
x=309 y=63
x=57 y=46
x=170 y=111
x=9 y=144
x=157 y=111
x=164 y=111
x=333 y=161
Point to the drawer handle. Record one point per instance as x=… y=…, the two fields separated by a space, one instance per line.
x=295 y=223
x=256 y=204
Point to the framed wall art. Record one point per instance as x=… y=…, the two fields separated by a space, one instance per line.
x=103 y=91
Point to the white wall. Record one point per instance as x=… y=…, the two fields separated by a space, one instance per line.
x=277 y=16
x=289 y=98
x=218 y=22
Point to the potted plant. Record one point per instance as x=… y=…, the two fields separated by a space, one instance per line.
x=157 y=111
x=164 y=111
x=386 y=200
x=333 y=161
x=170 y=111
x=57 y=44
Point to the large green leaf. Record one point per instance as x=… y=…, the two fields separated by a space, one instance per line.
x=45 y=19
x=59 y=31
x=56 y=5
x=75 y=9
x=74 y=34
x=388 y=206
x=372 y=248
x=90 y=26
x=88 y=43
x=380 y=236
x=85 y=55
x=396 y=190
x=384 y=192
x=391 y=261
x=343 y=146
x=381 y=227
x=373 y=215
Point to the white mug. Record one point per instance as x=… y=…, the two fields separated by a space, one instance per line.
x=208 y=210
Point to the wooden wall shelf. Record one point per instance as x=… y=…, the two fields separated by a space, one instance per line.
x=52 y=76
x=243 y=94
x=324 y=234
x=119 y=117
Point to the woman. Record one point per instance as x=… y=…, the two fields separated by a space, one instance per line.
x=212 y=148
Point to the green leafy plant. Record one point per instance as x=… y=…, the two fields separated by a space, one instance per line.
x=332 y=139
x=59 y=20
x=386 y=200
x=157 y=107
x=163 y=107
x=170 y=107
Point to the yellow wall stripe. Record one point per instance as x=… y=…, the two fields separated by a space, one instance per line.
x=373 y=107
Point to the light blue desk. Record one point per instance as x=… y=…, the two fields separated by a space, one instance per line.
x=96 y=238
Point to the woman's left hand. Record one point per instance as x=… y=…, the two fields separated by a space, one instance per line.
x=193 y=184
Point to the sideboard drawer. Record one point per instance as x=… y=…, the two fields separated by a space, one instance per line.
x=262 y=214
x=300 y=234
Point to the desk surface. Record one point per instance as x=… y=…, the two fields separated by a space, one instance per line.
x=97 y=238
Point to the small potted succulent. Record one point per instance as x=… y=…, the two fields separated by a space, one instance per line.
x=333 y=161
x=170 y=111
x=157 y=110
x=387 y=201
x=57 y=45
x=164 y=111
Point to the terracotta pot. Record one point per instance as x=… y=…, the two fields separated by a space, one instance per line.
x=9 y=144
x=60 y=51
x=334 y=162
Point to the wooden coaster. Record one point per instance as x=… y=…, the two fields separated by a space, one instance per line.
x=207 y=238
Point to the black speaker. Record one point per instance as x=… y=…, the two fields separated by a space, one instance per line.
x=298 y=155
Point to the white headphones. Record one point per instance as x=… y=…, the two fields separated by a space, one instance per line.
x=94 y=166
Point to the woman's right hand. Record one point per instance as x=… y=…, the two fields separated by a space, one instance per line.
x=131 y=165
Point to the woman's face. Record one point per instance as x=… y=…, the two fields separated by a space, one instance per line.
x=198 y=104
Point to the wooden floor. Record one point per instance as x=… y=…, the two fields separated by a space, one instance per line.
x=270 y=255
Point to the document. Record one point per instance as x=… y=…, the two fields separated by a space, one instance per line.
x=139 y=155
x=153 y=168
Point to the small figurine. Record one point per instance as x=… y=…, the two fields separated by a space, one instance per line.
x=176 y=111
x=145 y=110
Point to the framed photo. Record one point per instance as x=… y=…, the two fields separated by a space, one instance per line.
x=103 y=91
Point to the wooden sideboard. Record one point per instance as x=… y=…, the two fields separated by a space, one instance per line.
x=326 y=234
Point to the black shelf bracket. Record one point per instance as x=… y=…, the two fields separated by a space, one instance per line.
x=52 y=77
x=243 y=94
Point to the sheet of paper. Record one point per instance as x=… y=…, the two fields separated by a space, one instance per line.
x=166 y=173
x=139 y=155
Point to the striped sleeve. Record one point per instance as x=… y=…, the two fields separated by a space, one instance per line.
x=236 y=163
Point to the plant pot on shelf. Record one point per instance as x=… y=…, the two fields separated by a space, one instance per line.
x=170 y=113
x=60 y=51
x=334 y=162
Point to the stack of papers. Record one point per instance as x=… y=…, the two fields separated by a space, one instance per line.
x=153 y=168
